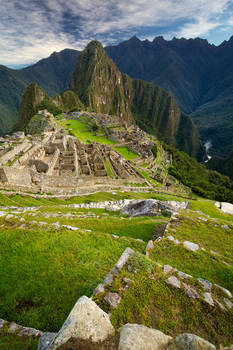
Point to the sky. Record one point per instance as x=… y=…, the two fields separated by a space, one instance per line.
x=33 y=29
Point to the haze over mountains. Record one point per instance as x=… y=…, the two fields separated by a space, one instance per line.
x=199 y=75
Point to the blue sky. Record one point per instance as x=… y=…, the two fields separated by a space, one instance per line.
x=33 y=29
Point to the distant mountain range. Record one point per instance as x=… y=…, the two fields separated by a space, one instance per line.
x=198 y=74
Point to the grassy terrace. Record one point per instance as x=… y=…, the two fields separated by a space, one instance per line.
x=151 y=302
x=24 y=201
x=47 y=271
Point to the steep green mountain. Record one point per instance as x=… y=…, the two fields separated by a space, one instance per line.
x=52 y=74
x=223 y=165
x=199 y=75
x=33 y=100
x=102 y=88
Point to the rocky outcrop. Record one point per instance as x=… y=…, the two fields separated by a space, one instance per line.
x=151 y=207
x=102 y=88
x=86 y=322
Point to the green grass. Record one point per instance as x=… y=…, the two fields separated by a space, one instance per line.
x=13 y=342
x=44 y=273
x=208 y=208
x=83 y=132
x=208 y=234
x=22 y=201
x=126 y=153
x=198 y=264
x=151 y=302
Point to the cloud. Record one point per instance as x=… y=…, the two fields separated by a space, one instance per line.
x=32 y=29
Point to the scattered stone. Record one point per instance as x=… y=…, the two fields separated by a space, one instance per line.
x=208 y=298
x=167 y=269
x=190 y=342
x=112 y=299
x=99 y=289
x=124 y=258
x=207 y=285
x=72 y=228
x=86 y=321
x=109 y=278
x=45 y=341
x=191 y=246
x=29 y=332
x=191 y=291
x=56 y=225
x=127 y=280
x=184 y=275
x=220 y=305
x=13 y=327
x=150 y=245
x=225 y=291
x=173 y=281
x=136 y=337
x=225 y=227
x=228 y=303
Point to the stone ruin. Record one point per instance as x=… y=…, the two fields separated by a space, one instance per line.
x=60 y=162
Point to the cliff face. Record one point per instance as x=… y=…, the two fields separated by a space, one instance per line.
x=98 y=83
x=102 y=88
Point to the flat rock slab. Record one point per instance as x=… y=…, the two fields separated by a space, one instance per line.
x=136 y=337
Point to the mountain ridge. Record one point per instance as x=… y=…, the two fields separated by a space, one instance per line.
x=102 y=88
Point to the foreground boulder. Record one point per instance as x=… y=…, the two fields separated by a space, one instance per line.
x=86 y=324
x=188 y=341
x=151 y=207
x=136 y=337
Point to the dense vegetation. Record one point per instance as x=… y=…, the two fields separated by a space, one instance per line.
x=204 y=182
x=224 y=166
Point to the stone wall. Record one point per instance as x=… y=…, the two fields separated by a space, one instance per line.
x=23 y=147
x=16 y=176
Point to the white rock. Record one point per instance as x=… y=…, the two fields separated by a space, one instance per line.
x=99 y=289
x=124 y=258
x=208 y=298
x=173 y=281
x=227 y=207
x=86 y=321
x=191 y=246
x=207 y=285
x=167 y=269
x=136 y=337
x=184 y=275
x=225 y=291
x=228 y=303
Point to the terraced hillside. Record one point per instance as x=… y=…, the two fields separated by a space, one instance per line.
x=108 y=191
x=58 y=250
